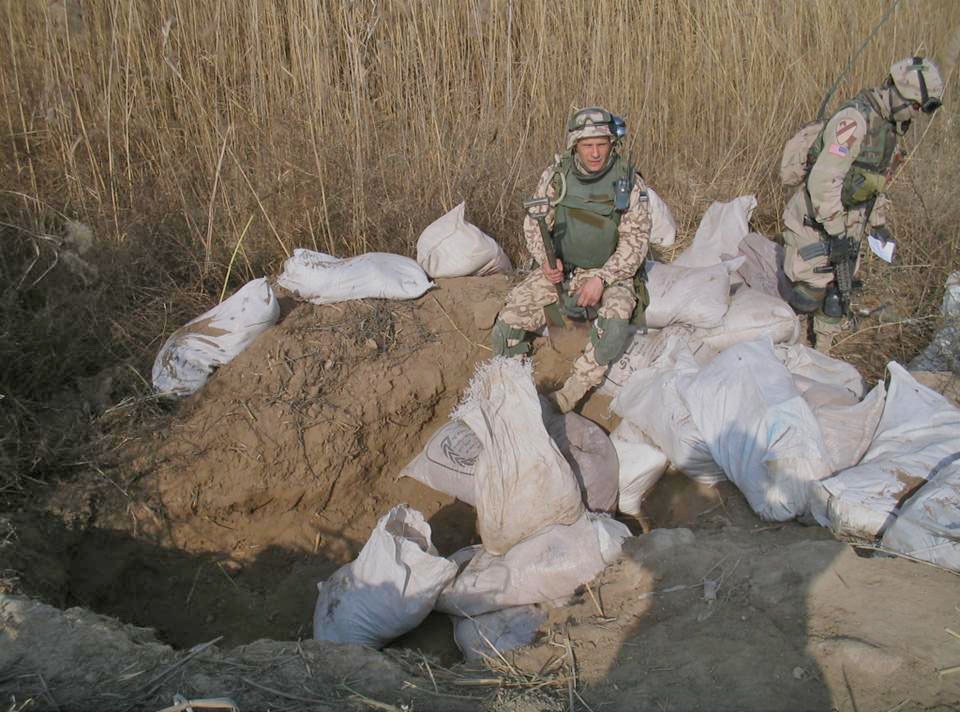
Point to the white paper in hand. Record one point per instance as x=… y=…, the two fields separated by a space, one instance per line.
x=883 y=250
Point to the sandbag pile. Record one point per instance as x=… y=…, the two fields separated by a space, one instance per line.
x=529 y=472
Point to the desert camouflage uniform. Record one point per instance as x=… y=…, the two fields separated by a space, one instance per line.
x=913 y=85
x=843 y=136
x=524 y=306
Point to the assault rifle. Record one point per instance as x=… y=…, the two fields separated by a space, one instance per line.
x=843 y=252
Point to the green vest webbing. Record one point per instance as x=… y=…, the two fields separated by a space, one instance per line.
x=587 y=225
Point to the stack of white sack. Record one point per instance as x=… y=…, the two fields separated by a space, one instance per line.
x=539 y=542
x=389 y=589
x=448 y=461
x=213 y=339
x=743 y=417
x=320 y=279
x=452 y=247
x=721 y=291
x=906 y=490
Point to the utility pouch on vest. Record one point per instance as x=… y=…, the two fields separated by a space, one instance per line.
x=859 y=186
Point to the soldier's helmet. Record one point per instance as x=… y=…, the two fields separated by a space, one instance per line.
x=918 y=80
x=594 y=122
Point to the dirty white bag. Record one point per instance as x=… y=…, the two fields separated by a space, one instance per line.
x=213 y=339
x=663 y=230
x=762 y=269
x=641 y=465
x=759 y=429
x=389 y=589
x=591 y=455
x=848 y=430
x=722 y=228
x=452 y=247
x=610 y=534
x=549 y=565
x=653 y=403
x=815 y=367
x=691 y=296
x=320 y=278
x=448 y=463
x=657 y=347
x=523 y=482
x=751 y=314
x=496 y=633
x=928 y=525
x=918 y=430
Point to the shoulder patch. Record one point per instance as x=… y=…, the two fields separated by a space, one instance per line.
x=846 y=132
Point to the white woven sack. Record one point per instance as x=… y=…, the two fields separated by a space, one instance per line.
x=663 y=229
x=686 y=295
x=919 y=429
x=722 y=228
x=653 y=403
x=641 y=465
x=213 y=339
x=759 y=429
x=523 y=482
x=452 y=247
x=389 y=589
x=320 y=278
x=751 y=314
x=549 y=565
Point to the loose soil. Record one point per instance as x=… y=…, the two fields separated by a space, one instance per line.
x=219 y=520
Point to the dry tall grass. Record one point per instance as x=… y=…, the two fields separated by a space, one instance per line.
x=183 y=130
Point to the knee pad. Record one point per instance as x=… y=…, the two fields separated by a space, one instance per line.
x=612 y=342
x=500 y=338
x=805 y=298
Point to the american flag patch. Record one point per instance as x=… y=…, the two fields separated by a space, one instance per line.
x=839 y=150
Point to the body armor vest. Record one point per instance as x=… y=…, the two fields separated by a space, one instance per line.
x=867 y=176
x=587 y=223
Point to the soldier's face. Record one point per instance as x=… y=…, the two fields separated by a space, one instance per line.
x=593 y=152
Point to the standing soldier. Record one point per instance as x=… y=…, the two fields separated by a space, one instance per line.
x=597 y=219
x=841 y=200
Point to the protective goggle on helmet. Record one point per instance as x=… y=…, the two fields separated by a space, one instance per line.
x=594 y=122
x=918 y=81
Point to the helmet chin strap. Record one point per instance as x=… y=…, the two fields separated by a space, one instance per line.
x=900 y=126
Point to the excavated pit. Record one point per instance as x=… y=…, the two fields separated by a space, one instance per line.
x=222 y=520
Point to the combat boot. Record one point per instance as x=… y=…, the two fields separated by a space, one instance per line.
x=825 y=331
x=572 y=392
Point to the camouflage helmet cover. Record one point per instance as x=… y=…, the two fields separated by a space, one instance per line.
x=918 y=79
x=590 y=122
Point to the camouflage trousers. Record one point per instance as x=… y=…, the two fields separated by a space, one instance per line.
x=523 y=309
x=803 y=248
